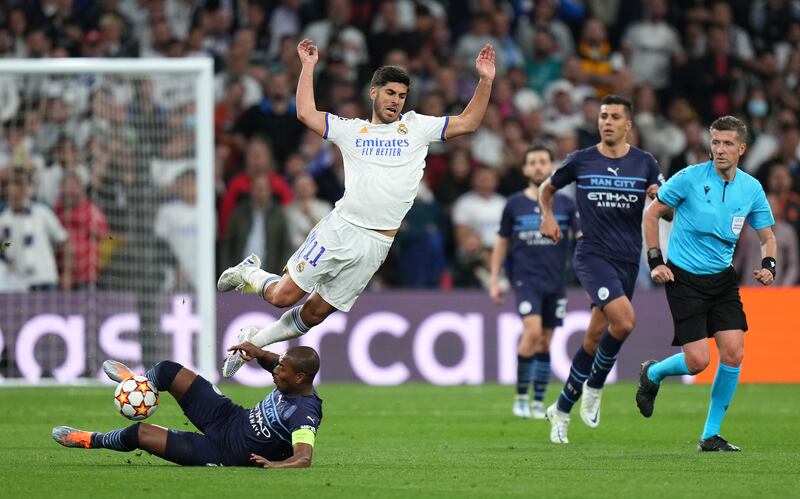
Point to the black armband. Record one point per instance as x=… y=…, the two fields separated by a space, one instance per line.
x=769 y=263
x=654 y=258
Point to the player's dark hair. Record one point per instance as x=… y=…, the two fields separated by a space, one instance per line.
x=304 y=360
x=539 y=147
x=731 y=124
x=620 y=100
x=389 y=74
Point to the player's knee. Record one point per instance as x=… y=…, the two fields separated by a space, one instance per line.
x=163 y=374
x=280 y=296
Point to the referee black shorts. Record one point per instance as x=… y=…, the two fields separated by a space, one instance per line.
x=702 y=305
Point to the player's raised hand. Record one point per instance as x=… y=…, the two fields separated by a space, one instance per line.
x=764 y=276
x=308 y=52
x=484 y=63
x=550 y=229
x=662 y=274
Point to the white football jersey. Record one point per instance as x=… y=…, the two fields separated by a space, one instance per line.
x=383 y=165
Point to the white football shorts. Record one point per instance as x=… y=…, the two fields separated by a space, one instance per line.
x=338 y=259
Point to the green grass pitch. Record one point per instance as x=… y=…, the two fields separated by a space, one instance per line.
x=418 y=441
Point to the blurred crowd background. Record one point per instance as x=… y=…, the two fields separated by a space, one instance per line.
x=91 y=175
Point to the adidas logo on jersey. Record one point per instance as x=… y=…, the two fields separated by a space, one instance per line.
x=363 y=130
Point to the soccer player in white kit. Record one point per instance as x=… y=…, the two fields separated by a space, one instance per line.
x=383 y=163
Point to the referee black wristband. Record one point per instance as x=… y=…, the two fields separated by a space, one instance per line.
x=770 y=264
x=654 y=258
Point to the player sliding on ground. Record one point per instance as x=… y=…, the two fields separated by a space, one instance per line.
x=383 y=163
x=278 y=432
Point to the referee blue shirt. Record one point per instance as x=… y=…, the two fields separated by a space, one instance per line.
x=709 y=216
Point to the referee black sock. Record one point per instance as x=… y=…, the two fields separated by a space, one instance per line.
x=578 y=372
x=604 y=360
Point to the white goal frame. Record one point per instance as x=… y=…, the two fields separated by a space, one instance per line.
x=201 y=69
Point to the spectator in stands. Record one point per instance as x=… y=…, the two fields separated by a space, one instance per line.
x=31 y=232
x=391 y=34
x=258 y=161
x=306 y=209
x=274 y=117
x=652 y=46
x=598 y=62
x=236 y=70
x=479 y=34
x=738 y=41
x=543 y=66
x=259 y=226
x=660 y=137
x=79 y=259
x=588 y=134
x=543 y=16
x=330 y=180
x=176 y=225
x=710 y=81
x=787 y=201
x=695 y=150
x=335 y=35
x=748 y=251
x=788 y=152
x=479 y=210
x=420 y=243
x=66 y=162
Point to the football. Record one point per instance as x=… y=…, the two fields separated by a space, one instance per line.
x=136 y=398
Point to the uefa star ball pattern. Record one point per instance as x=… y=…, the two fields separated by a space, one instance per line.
x=136 y=398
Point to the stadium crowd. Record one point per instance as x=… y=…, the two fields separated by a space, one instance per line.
x=94 y=177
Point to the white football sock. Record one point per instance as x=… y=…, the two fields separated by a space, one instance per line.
x=257 y=280
x=289 y=326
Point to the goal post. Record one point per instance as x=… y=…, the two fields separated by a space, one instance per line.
x=108 y=87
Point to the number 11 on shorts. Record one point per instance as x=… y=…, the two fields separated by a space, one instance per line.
x=316 y=258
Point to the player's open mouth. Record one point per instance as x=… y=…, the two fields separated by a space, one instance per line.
x=391 y=110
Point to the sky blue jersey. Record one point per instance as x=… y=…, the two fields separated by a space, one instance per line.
x=710 y=214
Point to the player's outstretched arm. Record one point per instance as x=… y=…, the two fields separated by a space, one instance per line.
x=469 y=120
x=549 y=227
x=499 y=252
x=301 y=458
x=307 y=111
x=659 y=273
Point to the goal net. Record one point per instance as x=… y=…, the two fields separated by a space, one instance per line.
x=106 y=216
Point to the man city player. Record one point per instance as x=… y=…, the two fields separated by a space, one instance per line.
x=612 y=180
x=535 y=267
x=279 y=432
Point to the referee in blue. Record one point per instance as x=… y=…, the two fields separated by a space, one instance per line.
x=711 y=202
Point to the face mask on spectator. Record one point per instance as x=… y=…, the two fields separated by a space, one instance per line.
x=757 y=108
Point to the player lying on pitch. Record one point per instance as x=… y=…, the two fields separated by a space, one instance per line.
x=281 y=428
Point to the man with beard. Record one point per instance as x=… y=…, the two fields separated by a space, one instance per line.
x=383 y=163
x=535 y=267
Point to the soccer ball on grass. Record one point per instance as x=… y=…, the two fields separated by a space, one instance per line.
x=136 y=398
